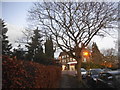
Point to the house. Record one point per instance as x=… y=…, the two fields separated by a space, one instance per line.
x=66 y=60
x=69 y=63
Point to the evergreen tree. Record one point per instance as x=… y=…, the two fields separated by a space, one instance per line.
x=96 y=55
x=19 y=53
x=5 y=43
x=35 y=49
x=49 y=52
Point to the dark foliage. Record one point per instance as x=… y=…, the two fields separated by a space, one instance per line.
x=5 y=43
x=28 y=74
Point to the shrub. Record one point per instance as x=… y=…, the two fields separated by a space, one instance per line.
x=91 y=65
x=28 y=74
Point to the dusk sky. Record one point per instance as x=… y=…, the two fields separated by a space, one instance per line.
x=15 y=15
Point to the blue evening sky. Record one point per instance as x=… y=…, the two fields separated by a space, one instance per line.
x=15 y=13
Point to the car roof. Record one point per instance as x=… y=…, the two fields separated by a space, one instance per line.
x=82 y=68
x=106 y=69
x=96 y=69
x=113 y=72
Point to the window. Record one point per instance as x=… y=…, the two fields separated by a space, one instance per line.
x=71 y=59
x=73 y=53
x=106 y=76
x=63 y=60
x=103 y=76
x=63 y=56
x=67 y=55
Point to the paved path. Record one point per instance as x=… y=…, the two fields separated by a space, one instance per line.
x=65 y=82
x=69 y=72
x=68 y=80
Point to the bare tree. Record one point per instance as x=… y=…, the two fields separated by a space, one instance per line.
x=73 y=24
x=27 y=34
x=110 y=56
x=108 y=52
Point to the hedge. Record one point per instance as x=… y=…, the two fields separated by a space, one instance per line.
x=91 y=65
x=28 y=74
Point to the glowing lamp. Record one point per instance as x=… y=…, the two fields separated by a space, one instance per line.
x=85 y=53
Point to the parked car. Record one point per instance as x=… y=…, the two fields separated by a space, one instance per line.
x=106 y=69
x=110 y=79
x=118 y=69
x=83 y=72
x=92 y=76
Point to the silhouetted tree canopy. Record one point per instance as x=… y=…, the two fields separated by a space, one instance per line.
x=5 y=43
x=35 y=49
x=49 y=51
x=74 y=24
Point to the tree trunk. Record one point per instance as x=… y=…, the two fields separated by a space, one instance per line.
x=79 y=69
x=79 y=60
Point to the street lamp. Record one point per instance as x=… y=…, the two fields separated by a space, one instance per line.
x=85 y=53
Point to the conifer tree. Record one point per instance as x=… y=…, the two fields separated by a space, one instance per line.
x=35 y=49
x=5 y=43
x=19 y=53
x=96 y=55
x=49 y=51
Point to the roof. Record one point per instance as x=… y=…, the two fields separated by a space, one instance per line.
x=62 y=53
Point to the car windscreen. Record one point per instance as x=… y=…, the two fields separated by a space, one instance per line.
x=95 y=72
x=83 y=70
